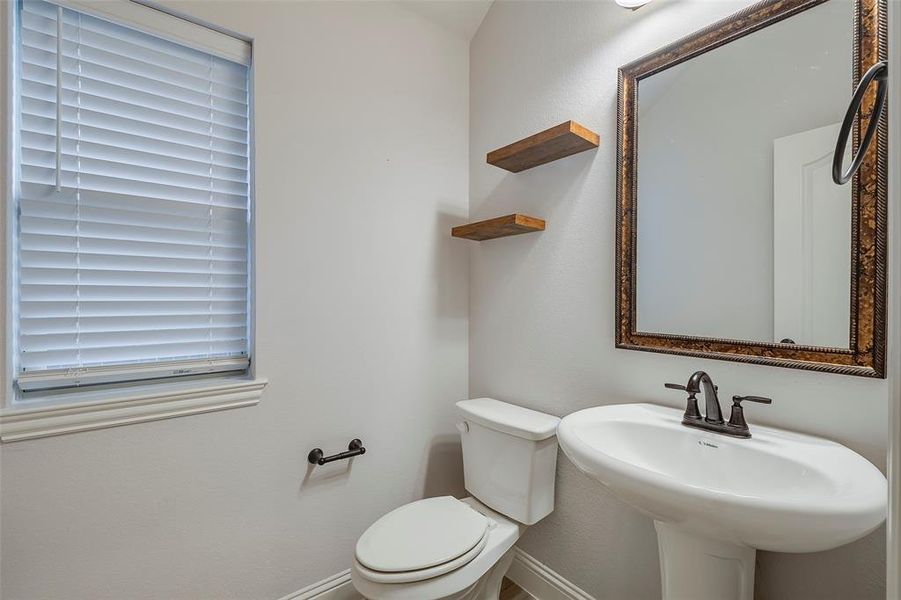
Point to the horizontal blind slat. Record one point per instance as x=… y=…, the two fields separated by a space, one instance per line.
x=39 y=96
x=39 y=309
x=30 y=326
x=72 y=180
x=224 y=152
x=58 y=243
x=140 y=41
x=191 y=165
x=127 y=141
x=87 y=293
x=130 y=353
x=126 y=211
x=146 y=206
x=194 y=119
x=129 y=233
x=154 y=76
x=61 y=260
x=84 y=277
x=223 y=139
x=113 y=339
x=39 y=50
x=39 y=159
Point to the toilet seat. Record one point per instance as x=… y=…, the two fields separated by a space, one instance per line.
x=422 y=574
x=455 y=584
x=421 y=540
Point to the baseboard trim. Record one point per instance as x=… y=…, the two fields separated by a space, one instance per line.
x=533 y=576
x=336 y=587
x=541 y=581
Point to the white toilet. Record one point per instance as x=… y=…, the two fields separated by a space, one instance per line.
x=449 y=549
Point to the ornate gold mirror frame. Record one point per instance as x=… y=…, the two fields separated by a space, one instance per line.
x=869 y=214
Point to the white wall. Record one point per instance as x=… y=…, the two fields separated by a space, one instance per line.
x=361 y=149
x=542 y=305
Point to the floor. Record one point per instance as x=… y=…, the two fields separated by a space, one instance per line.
x=511 y=591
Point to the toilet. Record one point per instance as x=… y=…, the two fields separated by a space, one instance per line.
x=449 y=549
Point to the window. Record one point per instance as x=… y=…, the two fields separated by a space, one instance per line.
x=133 y=196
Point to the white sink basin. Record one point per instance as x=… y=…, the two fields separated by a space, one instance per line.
x=723 y=496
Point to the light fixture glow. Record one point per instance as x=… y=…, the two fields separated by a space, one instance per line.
x=633 y=4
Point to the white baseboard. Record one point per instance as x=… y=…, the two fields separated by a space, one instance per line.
x=336 y=587
x=532 y=576
x=540 y=581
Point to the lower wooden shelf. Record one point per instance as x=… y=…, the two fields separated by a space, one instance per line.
x=514 y=224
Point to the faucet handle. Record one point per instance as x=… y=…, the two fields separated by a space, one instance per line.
x=737 y=418
x=691 y=409
x=737 y=400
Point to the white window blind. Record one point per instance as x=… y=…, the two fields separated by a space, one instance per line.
x=133 y=204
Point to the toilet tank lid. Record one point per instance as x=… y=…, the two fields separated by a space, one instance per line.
x=509 y=418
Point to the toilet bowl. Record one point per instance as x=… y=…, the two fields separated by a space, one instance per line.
x=466 y=577
x=449 y=549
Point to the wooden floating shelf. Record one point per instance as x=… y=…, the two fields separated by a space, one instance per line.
x=514 y=224
x=551 y=144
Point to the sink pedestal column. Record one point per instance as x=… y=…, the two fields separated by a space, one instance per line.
x=693 y=567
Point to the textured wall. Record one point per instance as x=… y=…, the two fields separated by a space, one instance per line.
x=361 y=153
x=542 y=305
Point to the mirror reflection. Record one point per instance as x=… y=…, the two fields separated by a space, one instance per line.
x=741 y=233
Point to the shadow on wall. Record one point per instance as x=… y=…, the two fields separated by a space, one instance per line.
x=532 y=189
x=444 y=468
x=450 y=257
x=781 y=576
x=336 y=473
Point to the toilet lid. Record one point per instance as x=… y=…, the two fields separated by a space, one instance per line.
x=421 y=534
x=422 y=574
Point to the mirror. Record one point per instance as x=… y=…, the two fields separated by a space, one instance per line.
x=734 y=241
x=740 y=227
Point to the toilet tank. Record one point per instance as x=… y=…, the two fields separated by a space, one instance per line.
x=509 y=457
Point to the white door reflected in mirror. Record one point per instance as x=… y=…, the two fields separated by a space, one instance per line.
x=811 y=242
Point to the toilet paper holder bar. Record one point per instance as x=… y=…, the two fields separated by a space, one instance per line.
x=354 y=448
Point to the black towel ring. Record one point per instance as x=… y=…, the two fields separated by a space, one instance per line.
x=879 y=72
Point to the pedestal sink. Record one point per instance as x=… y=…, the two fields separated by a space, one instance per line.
x=715 y=500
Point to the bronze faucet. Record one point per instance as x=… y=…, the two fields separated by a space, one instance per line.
x=713 y=419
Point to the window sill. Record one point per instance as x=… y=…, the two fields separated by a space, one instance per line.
x=137 y=405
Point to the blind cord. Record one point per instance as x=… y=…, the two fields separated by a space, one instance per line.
x=59 y=96
x=78 y=356
x=210 y=219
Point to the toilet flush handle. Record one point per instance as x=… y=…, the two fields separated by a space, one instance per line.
x=463 y=427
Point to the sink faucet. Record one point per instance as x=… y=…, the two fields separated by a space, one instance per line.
x=713 y=412
x=713 y=419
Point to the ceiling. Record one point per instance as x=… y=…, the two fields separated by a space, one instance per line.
x=461 y=17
